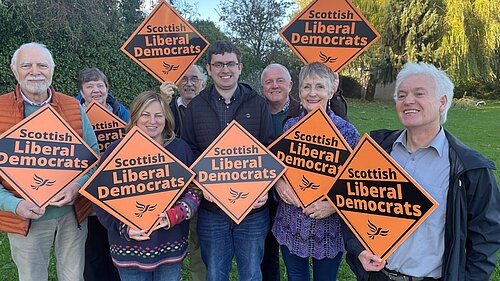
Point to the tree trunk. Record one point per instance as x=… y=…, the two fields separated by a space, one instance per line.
x=370 y=88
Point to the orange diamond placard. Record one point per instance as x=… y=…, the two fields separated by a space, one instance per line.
x=138 y=180
x=314 y=151
x=378 y=200
x=236 y=170
x=107 y=126
x=333 y=32
x=42 y=155
x=165 y=44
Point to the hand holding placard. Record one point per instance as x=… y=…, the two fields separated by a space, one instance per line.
x=286 y=193
x=371 y=262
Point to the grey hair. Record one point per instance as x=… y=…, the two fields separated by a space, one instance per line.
x=443 y=84
x=275 y=65
x=15 y=56
x=320 y=70
x=202 y=71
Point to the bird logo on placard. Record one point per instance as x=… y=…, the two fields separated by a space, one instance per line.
x=376 y=231
x=169 y=67
x=41 y=182
x=307 y=184
x=142 y=208
x=326 y=59
x=235 y=195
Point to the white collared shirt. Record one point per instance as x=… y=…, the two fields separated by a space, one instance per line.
x=25 y=99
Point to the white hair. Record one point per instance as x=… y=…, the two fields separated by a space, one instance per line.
x=15 y=56
x=443 y=84
x=202 y=71
x=275 y=65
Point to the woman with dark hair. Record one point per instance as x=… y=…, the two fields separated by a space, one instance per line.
x=93 y=85
x=159 y=256
x=316 y=230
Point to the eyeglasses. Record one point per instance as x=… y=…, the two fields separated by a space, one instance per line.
x=193 y=80
x=220 y=65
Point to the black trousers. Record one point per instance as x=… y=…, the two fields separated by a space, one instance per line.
x=98 y=263
x=270 y=266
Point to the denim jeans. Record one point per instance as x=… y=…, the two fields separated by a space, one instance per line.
x=221 y=239
x=166 y=272
x=297 y=268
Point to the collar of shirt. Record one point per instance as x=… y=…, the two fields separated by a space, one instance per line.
x=180 y=102
x=285 y=107
x=236 y=95
x=25 y=99
x=438 y=143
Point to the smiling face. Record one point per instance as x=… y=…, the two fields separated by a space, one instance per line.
x=191 y=84
x=417 y=105
x=95 y=90
x=226 y=77
x=33 y=72
x=315 y=91
x=152 y=121
x=276 y=86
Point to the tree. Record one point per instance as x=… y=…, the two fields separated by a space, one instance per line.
x=255 y=23
x=188 y=10
x=80 y=34
x=210 y=32
x=470 y=45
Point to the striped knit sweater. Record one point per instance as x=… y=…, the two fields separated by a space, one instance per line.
x=164 y=246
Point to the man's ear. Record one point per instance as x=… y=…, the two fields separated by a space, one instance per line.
x=207 y=67
x=443 y=100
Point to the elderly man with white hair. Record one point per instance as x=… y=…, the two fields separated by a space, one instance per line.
x=460 y=239
x=32 y=230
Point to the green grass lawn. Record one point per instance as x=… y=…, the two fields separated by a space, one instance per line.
x=476 y=127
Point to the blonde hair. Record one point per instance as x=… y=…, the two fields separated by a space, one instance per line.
x=142 y=101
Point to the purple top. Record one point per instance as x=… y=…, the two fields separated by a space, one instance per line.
x=303 y=236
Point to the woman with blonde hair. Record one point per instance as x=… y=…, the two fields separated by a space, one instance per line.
x=159 y=256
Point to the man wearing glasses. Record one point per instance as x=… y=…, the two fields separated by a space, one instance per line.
x=206 y=116
x=188 y=87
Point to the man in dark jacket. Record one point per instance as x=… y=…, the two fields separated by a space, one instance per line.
x=460 y=239
x=205 y=117
x=276 y=86
x=191 y=84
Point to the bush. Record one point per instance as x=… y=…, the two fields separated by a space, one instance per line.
x=481 y=90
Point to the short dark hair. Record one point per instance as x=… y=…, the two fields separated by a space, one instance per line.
x=91 y=74
x=220 y=47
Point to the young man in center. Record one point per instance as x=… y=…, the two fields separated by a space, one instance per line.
x=205 y=118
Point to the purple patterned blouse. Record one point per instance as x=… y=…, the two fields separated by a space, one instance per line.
x=303 y=236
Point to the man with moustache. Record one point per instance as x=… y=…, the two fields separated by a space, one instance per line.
x=31 y=230
x=190 y=85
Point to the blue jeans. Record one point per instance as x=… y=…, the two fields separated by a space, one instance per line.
x=297 y=268
x=166 y=272
x=221 y=239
